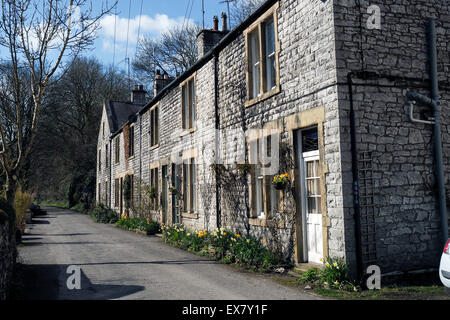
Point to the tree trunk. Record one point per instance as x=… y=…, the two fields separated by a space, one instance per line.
x=11 y=188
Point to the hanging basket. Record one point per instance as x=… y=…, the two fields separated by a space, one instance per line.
x=173 y=191
x=280 y=185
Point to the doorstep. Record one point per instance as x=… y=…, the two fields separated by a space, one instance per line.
x=303 y=267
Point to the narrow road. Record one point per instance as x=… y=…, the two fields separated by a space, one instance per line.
x=117 y=264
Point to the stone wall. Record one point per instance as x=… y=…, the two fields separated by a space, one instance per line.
x=7 y=258
x=307 y=80
x=400 y=152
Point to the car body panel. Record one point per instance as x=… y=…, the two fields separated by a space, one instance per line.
x=444 y=270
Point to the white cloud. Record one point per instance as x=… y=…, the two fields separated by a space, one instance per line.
x=150 y=27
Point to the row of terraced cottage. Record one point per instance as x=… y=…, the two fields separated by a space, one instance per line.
x=275 y=95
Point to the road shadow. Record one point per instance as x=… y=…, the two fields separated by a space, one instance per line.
x=49 y=282
x=36 y=221
x=61 y=234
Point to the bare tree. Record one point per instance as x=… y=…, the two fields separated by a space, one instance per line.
x=39 y=35
x=63 y=158
x=173 y=53
x=242 y=9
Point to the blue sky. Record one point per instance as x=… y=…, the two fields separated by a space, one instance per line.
x=157 y=16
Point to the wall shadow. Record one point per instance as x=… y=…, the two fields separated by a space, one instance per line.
x=49 y=282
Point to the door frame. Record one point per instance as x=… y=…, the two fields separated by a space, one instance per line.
x=314 y=117
x=165 y=194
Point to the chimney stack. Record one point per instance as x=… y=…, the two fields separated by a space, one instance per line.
x=224 y=22
x=138 y=95
x=161 y=81
x=215 y=23
x=207 y=39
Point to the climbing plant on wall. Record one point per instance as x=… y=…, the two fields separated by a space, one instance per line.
x=126 y=189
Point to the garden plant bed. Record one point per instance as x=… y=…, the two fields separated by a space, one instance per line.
x=408 y=287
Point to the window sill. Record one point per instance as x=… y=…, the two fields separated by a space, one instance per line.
x=262 y=97
x=156 y=146
x=131 y=158
x=266 y=223
x=188 y=131
x=189 y=215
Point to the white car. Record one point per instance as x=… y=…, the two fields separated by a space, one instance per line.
x=444 y=269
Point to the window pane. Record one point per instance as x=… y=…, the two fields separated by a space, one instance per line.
x=193 y=187
x=192 y=100
x=309 y=169
x=185 y=102
x=270 y=55
x=156 y=125
x=312 y=205
x=185 y=188
x=310 y=141
x=273 y=197
x=254 y=62
x=259 y=196
x=310 y=185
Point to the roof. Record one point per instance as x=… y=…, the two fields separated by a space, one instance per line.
x=119 y=113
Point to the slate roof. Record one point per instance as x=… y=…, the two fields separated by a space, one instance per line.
x=119 y=113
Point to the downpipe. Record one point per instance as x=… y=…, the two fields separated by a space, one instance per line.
x=355 y=185
x=435 y=104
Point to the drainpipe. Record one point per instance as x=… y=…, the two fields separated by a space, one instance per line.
x=354 y=151
x=140 y=157
x=110 y=172
x=435 y=104
x=217 y=126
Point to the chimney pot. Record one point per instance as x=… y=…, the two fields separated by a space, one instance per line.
x=224 y=22
x=215 y=23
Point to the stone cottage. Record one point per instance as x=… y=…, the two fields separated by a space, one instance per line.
x=316 y=89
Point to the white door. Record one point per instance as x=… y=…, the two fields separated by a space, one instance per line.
x=312 y=213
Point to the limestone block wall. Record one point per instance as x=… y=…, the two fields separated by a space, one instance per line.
x=7 y=259
x=307 y=81
x=400 y=152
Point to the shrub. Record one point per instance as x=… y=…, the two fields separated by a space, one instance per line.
x=9 y=210
x=311 y=275
x=22 y=203
x=222 y=245
x=141 y=224
x=102 y=214
x=79 y=208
